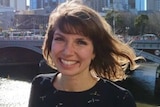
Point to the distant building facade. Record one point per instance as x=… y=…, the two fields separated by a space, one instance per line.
x=48 y=5
x=5 y=3
x=6 y=19
x=153 y=5
x=141 y=5
x=16 y=4
x=30 y=21
x=42 y=8
x=6 y=15
x=120 y=4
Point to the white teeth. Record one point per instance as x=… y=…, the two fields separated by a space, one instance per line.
x=68 y=62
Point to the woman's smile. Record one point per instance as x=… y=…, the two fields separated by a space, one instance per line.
x=68 y=63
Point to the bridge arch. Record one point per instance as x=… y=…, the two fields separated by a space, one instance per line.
x=35 y=49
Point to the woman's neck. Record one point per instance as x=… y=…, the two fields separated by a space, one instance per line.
x=75 y=83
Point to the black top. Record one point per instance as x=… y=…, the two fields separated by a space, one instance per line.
x=103 y=94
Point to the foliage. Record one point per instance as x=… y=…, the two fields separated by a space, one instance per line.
x=115 y=19
x=122 y=20
x=153 y=23
x=140 y=22
x=149 y=22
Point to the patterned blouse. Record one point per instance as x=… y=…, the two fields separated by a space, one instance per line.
x=103 y=94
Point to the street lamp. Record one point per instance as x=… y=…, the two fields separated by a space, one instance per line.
x=127 y=28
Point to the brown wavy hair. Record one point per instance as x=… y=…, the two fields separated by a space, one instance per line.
x=110 y=52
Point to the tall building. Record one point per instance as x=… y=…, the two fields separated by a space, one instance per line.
x=101 y=5
x=131 y=4
x=7 y=12
x=141 y=5
x=16 y=4
x=120 y=4
x=158 y=5
x=144 y=5
x=97 y=5
x=5 y=3
x=153 y=5
x=48 y=5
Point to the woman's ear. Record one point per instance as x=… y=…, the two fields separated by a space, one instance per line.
x=93 y=56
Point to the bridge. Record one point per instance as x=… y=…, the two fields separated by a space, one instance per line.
x=141 y=47
x=35 y=43
x=31 y=43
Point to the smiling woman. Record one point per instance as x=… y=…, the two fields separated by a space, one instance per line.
x=81 y=45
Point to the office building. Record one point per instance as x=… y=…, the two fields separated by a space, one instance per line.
x=120 y=4
x=141 y=5
x=16 y=4
x=5 y=2
x=48 y=5
x=153 y=5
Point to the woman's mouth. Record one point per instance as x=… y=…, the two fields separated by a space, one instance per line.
x=67 y=62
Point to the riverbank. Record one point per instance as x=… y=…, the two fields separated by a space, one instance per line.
x=141 y=83
x=145 y=76
x=145 y=105
x=25 y=72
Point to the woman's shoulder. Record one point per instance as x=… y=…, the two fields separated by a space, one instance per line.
x=110 y=84
x=121 y=95
x=44 y=78
x=114 y=88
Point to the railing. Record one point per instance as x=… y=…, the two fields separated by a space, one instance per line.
x=19 y=38
x=146 y=44
x=138 y=45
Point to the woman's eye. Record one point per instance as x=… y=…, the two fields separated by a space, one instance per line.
x=58 y=39
x=81 y=42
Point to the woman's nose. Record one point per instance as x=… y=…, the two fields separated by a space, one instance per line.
x=68 y=49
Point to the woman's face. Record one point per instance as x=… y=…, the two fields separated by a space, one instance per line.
x=71 y=53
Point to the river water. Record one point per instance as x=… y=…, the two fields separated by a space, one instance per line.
x=14 y=92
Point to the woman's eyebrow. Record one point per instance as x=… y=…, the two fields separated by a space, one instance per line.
x=57 y=33
x=81 y=38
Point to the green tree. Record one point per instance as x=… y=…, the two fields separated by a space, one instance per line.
x=109 y=17
x=141 y=22
x=115 y=19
